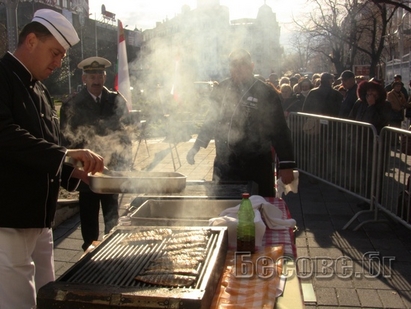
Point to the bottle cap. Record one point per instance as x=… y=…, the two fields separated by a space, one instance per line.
x=245 y=195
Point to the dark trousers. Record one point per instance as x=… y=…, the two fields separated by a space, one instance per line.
x=258 y=168
x=89 y=212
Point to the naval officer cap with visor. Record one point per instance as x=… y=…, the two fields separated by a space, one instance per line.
x=94 y=65
x=59 y=27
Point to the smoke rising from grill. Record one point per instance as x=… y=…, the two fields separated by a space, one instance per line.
x=105 y=136
x=194 y=47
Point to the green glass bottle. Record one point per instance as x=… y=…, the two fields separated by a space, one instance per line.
x=246 y=225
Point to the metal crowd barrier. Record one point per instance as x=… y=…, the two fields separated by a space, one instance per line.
x=340 y=152
x=393 y=171
x=351 y=156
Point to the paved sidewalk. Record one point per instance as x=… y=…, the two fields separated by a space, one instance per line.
x=368 y=268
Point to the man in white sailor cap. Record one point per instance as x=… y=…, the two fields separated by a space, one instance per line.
x=96 y=118
x=32 y=159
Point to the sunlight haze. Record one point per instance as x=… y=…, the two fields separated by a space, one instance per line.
x=143 y=14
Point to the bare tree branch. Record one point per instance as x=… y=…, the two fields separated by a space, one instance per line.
x=398 y=4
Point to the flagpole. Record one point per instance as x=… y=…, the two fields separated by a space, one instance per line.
x=122 y=79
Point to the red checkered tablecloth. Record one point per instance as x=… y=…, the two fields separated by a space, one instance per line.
x=284 y=236
x=256 y=292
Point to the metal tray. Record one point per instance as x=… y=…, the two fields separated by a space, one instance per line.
x=198 y=189
x=137 y=182
x=191 y=212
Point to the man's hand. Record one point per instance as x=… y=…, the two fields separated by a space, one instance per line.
x=92 y=162
x=191 y=154
x=82 y=175
x=287 y=175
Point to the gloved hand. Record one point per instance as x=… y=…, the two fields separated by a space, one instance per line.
x=191 y=154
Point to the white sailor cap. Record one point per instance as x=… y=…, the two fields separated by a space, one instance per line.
x=94 y=64
x=58 y=25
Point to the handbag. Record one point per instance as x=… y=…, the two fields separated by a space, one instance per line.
x=312 y=126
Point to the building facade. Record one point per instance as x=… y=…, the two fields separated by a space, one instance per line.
x=97 y=37
x=196 y=43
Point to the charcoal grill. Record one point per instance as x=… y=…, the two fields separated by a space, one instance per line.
x=105 y=278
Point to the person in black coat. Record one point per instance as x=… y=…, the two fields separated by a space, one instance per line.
x=349 y=83
x=372 y=105
x=246 y=121
x=324 y=100
x=96 y=118
x=32 y=159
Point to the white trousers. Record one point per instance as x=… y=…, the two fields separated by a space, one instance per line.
x=26 y=264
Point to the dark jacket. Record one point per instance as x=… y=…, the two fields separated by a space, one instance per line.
x=247 y=122
x=293 y=104
x=323 y=100
x=348 y=102
x=100 y=127
x=30 y=156
x=379 y=113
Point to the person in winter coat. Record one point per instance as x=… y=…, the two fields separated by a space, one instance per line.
x=324 y=100
x=398 y=103
x=246 y=122
x=96 y=118
x=372 y=106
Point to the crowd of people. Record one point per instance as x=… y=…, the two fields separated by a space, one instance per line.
x=341 y=96
x=345 y=96
x=350 y=97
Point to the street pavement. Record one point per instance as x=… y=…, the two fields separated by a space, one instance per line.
x=337 y=268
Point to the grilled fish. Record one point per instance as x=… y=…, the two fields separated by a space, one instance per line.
x=192 y=233
x=146 y=236
x=184 y=254
x=180 y=246
x=188 y=251
x=173 y=263
x=171 y=270
x=188 y=239
x=171 y=280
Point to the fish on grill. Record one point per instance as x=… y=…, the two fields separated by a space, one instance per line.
x=170 y=262
x=190 y=253
x=181 y=246
x=146 y=236
x=192 y=233
x=188 y=239
x=171 y=280
x=170 y=270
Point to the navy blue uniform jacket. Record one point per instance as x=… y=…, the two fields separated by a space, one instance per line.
x=31 y=160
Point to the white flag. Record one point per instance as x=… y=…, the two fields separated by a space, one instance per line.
x=122 y=79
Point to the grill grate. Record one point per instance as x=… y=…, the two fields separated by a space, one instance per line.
x=105 y=278
x=118 y=264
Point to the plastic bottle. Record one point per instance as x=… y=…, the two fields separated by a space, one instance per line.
x=246 y=225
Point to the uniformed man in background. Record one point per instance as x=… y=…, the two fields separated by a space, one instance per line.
x=96 y=118
x=246 y=122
